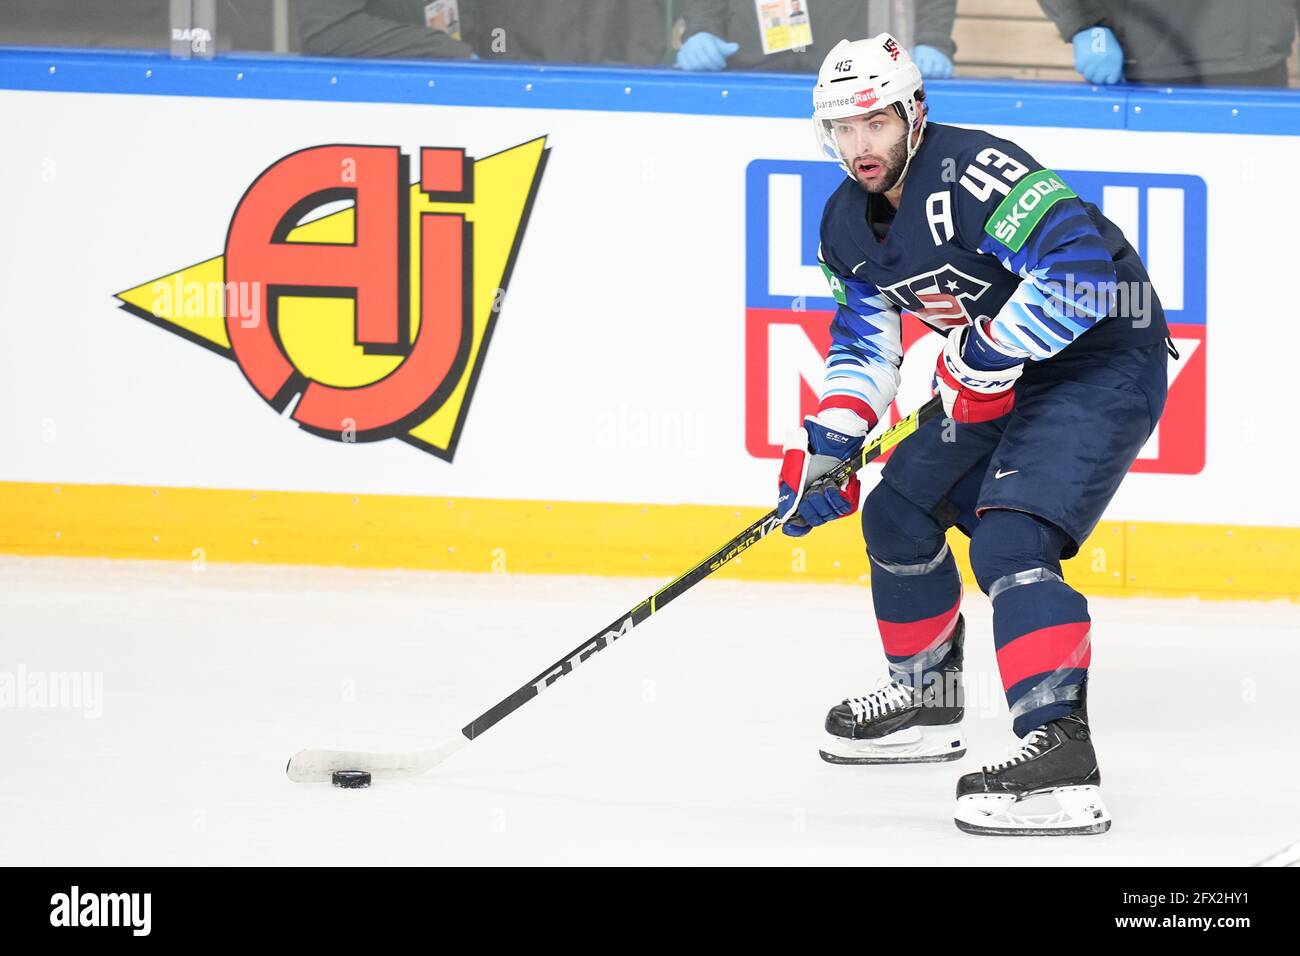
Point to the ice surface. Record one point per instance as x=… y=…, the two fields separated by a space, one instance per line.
x=693 y=740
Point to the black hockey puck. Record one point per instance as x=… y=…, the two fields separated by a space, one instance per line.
x=351 y=779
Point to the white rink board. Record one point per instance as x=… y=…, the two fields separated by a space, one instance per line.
x=616 y=372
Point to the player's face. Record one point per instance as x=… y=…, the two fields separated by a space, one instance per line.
x=874 y=146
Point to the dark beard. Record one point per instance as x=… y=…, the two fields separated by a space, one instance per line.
x=893 y=164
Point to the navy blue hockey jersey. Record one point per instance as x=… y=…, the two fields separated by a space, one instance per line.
x=983 y=233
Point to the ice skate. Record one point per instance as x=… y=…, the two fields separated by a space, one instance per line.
x=901 y=724
x=1051 y=787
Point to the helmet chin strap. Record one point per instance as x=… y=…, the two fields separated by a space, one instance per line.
x=918 y=113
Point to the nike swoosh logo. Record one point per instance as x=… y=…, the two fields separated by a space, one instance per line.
x=1002 y=474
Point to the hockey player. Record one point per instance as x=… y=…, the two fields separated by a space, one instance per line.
x=1052 y=377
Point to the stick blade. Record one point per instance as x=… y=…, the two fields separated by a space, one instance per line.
x=318 y=766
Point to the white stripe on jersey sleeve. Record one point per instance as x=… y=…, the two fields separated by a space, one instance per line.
x=866 y=349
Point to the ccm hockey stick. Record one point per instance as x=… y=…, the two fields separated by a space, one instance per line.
x=316 y=766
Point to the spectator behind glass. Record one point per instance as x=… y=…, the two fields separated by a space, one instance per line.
x=569 y=31
x=725 y=34
x=411 y=29
x=573 y=31
x=1180 y=42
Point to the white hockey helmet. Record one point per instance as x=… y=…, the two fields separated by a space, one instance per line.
x=862 y=76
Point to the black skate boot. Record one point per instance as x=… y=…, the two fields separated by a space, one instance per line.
x=1051 y=787
x=901 y=724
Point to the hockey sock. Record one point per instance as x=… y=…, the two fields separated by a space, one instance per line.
x=914 y=585
x=1041 y=626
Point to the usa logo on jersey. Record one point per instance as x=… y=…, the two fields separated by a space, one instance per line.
x=940 y=299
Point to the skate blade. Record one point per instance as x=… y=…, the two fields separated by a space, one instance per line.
x=1062 y=811
x=909 y=745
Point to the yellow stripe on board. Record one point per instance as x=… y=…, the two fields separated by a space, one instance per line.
x=657 y=541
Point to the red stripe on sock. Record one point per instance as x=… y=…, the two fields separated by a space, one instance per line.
x=1045 y=650
x=904 y=640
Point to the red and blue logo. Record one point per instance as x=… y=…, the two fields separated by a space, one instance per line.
x=788 y=306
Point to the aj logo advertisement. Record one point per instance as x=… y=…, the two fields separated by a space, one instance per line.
x=354 y=300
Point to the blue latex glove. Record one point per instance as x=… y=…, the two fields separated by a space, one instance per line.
x=704 y=51
x=1097 y=56
x=933 y=63
x=811 y=452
